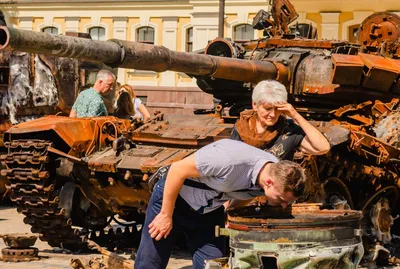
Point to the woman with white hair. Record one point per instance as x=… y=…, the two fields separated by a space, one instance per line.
x=275 y=126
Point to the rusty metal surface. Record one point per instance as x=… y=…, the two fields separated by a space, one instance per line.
x=300 y=236
x=50 y=84
x=135 y=55
x=35 y=196
x=348 y=69
x=4 y=127
x=110 y=160
x=283 y=13
x=298 y=216
x=382 y=220
x=183 y=130
x=367 y=145
x=380 y=73
x=109 y=260
x=70 y=47
x=35 y=85
x=19 y=247
x=222 y=46
x=296 y=42
x=19 y=240
x=81 y=135
x=107 y=185
x=317 y=76
x=19 y=254
x=380 y=31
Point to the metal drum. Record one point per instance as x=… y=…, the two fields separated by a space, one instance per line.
x=302 y=236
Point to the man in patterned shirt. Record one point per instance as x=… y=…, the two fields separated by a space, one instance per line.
x=89 y=103
x=190 y=198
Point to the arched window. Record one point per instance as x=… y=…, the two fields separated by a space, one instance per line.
x=353 y=33
x=189 y=40
x=243 y=33
x=145 y=35
x=98 y=33
x=50 y=30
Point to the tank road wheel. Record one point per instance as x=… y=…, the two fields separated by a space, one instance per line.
x=377 y=211
x=377 y=222
x=337 y=194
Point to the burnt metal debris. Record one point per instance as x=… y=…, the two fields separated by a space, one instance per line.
x=34 y=85
x=19 y=248
x=109 y=260
x=301 y=236
x=69 y=181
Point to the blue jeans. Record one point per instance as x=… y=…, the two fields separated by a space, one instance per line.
x=199 y=230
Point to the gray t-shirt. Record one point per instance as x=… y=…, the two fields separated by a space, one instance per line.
x=230 y=168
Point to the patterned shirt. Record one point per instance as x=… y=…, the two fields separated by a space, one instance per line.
x=89 y=104
x=285 y=144
x=229 y=170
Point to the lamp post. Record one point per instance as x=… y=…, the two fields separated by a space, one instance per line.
x=221 y=18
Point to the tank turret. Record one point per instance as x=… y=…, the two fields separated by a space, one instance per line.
x=320 y=75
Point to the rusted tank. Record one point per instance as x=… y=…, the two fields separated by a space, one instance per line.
x=34 y=85
x=84 y=172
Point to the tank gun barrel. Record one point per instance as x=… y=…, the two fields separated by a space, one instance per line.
x=134 y=55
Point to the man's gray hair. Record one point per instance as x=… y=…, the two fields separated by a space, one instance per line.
x=104 y=74
x=269 y=92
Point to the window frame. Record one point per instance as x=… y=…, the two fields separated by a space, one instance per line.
x=234 y=34
x=352 y=30
x=52 y=28
x=189 y=40
x=138 y=30
x=98 y=33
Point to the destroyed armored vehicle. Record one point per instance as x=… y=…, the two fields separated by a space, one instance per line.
x=34 y=85
x=71 y=177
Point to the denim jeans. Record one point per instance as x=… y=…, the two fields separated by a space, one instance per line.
x=198 y=228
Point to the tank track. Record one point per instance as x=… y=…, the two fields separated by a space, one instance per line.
x=34 y=190
x=361 y=183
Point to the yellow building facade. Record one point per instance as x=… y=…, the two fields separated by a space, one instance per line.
x=183 y=25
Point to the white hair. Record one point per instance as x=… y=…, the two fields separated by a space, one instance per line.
x=269 y=92
x=104 y=74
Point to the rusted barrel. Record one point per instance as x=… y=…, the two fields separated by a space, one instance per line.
x=134 y=55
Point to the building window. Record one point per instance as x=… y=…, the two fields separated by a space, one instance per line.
x=145 y=35
x=143 y=98
x=189 y=40
x=98 y=33
x=353 y=33
x=243 y=33
x=50 y=30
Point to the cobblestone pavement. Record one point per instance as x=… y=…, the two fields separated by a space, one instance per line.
x=12 y=222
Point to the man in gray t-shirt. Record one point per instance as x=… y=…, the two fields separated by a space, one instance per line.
x=191 y=196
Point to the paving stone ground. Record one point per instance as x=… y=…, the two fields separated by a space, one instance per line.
x=12 y=222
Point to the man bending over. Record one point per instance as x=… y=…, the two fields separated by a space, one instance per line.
x=190 y=198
